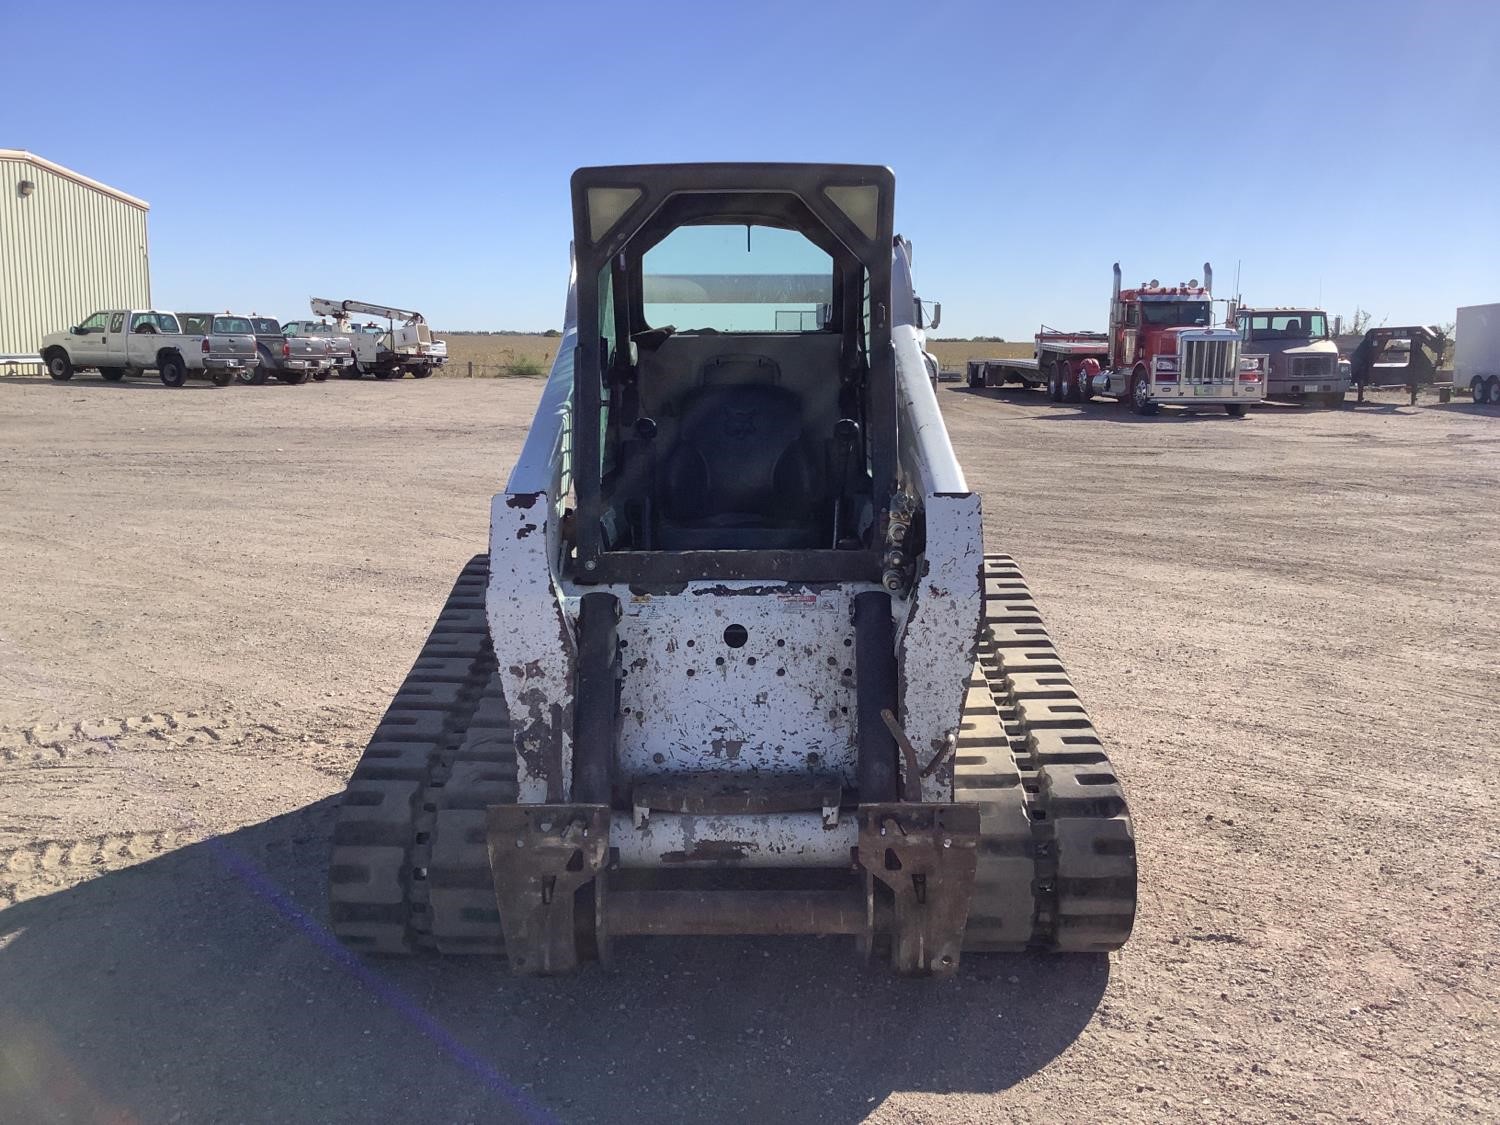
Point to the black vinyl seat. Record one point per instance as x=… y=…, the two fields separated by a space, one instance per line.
x=741 y=474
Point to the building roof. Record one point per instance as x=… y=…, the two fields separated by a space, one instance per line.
x=68 y=173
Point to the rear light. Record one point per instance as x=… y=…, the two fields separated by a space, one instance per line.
x=286 y=349
x=206 y=347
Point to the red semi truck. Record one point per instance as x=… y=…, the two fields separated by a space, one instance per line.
x=1161 y=347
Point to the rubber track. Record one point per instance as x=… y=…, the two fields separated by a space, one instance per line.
x=1057 y=867
x=409 y=869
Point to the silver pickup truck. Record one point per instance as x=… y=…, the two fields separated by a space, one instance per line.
x=292 y=359
x=340 y=350
x=228 y=341
x=117 y=342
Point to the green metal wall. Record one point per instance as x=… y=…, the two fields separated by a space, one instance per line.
x=66 y=250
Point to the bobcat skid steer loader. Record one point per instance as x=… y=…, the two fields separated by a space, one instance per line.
x=736 y=662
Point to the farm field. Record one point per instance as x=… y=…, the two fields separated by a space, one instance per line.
x=496 y=353
x=1284 y=626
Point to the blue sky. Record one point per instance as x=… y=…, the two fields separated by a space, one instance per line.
x=420 y=154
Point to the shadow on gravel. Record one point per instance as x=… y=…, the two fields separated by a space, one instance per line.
x=1107 y=410
x=202 y=986
x=80 y=382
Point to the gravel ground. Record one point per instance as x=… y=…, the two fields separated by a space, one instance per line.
x=1284 y=626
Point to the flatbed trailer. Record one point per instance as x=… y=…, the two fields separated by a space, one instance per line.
x=1053 y=349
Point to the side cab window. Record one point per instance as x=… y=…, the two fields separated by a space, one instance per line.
x=1132 y=316
x=117 y=322
x=94 y=323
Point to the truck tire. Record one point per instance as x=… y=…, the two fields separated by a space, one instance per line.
x=353 y=371
x=292 y=378
x=424 y=371
x=111 y=374
x=252 y=376
x=1070 y=388
x=1140 y=394
x=172 y=370
x=1492 y=390
x=222 y=378
x=385 y=373
x=59 y=366
x=1054 y=383
x=320 y=375
x=1234 y=409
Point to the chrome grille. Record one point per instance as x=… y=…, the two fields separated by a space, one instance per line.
x=1313 y=366
x=1210 y=361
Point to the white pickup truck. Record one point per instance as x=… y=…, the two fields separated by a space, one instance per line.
x=121 y=341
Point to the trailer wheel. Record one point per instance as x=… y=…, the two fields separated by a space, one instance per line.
x=1054 y=384
x=1140 y=393
x=1234 y=409
x=172 y=370
x=59 y=366
x=1492 y=390
x=111 y=374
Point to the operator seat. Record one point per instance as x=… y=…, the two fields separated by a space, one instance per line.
x=1293 y=328
x=740 y=475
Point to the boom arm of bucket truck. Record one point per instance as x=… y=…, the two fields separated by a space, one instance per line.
x=340 y=310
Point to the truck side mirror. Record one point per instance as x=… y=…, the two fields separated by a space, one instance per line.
x=937 y=314
x=74 y=330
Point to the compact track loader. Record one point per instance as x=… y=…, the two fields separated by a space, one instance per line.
x=736 y=662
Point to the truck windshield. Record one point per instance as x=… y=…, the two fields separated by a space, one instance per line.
x=736 y=279
x=234 y=324
x=265 y=326
x=1289 y=326
x=1176 y=314
x=195 y=323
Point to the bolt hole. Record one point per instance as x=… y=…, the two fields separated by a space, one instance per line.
x=781 y=644
x=781 y=671
x=658 y=758
x=848 y=642
x=690 y=642
x=719 y=660
x=691 y=672
x=814 y=758
x=751 y=662
x=736 y=635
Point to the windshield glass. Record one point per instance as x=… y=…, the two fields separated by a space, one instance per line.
x=1289 y=326
x=195 y=323
x=736 y=279
x=265 y=326
x=235 y=324
x=1176 y=314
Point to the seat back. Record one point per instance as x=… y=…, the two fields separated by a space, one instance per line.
x=740 y=460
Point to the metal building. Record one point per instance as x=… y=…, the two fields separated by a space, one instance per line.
x=69 y=246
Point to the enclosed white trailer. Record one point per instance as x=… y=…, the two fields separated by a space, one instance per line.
x=1476 y=360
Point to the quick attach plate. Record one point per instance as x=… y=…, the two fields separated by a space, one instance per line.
x=540 y=855
x=926 y=855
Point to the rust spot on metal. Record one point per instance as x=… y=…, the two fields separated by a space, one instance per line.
x=522 y=500
x=526 y=529
x=937 y=591
x=727 y=747
x=713 y=851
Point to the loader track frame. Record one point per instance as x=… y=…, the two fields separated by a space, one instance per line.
x=1054 y=853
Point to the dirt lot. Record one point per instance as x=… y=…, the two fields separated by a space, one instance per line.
x=1285 y=627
